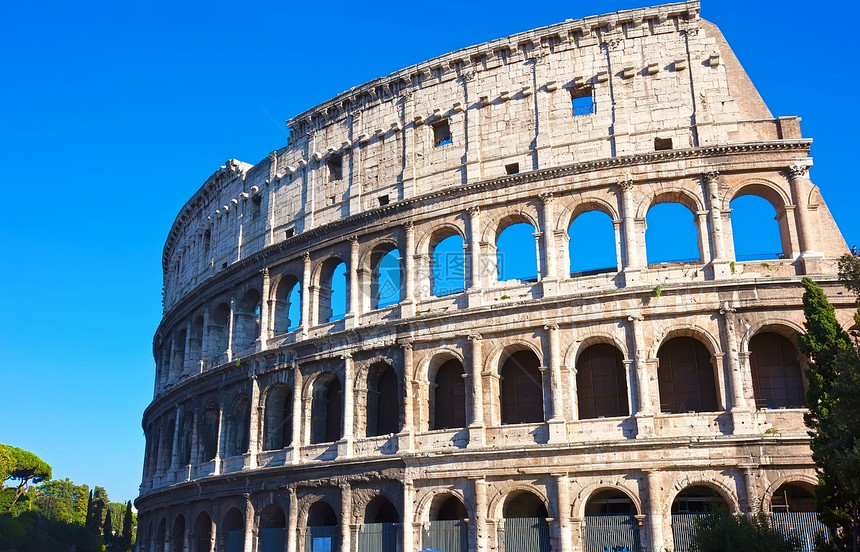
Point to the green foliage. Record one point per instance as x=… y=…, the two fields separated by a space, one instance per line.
x=97 y=511
x=658 y=291
x=24 y=467
x=724 y=532
x=126 y=540
x=107 y=530
x=62 y=500
x=33 y=532
x=834 y=416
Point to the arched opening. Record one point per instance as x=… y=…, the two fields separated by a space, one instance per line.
x=232 y=532
x=247 y=321
x=671 y=234
x=161 y=534
x=185 y=439
x=288 y=305
x=609 y=522
x=196 y=342
x=686 y=377
x=272 y=534
x=326 y=410
x=178 y=362
x=238 y=427
x=208 y=433
x=447 y=529
x=601 y=383
x=776 y=374
x=690 y=504
x=166 y=455
x=322 y=535
x=383 y=402
x=201 y=537
x=177 y=535
x=448 y=274
x=385 y=278
x=521 y=389
x=592 y=244
x=755 y=230
x=219 y=330
x=379 y=532
x=516 y=253
x=278 y=420
x=333 y=291
x=525 y=527
x=793 y=511
x=448 y=396
x=153 y=443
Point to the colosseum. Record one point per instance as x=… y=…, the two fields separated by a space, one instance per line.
x=348 y=363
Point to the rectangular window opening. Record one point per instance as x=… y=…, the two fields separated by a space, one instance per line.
x=441 y=133
x=335 y=168
x=662 y=144
x=256 y=204
x=289 y=233
x=331 y=200
x=383 y=200
x=583 y=101
x=513 y=168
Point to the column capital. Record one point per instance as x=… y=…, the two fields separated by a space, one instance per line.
x=475 y=337
x=353 y=240
x=797 y=170
x=626 y=183
x=546 y=197
x=474 y=211
x=346 y=356
x=306 y=256
x=408 y=344
x=409 y=226
x=712 y=176
x=549 y=327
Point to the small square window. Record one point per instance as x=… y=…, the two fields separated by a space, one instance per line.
x=383 y=200
x=289 y=233
x=256 y=204
x=335 y=168
x=583 y=101
x=662 y=144
x=513 y=168
x=441 y=133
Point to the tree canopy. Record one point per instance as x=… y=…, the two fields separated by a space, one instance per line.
x=21 y=466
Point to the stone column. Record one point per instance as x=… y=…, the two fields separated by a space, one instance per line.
x=177 y=426
x=476 y=424
x=231 y=322
x=741 y=415
x=296 y=444
x=801 y=187
x=265 y=311
x=632 y=265
x=562 y=483
x=222 y=438
x=254 y=425
x=655 y=509
x=186 y=358
x=250 y=526
x=720 y=262
x=205 y=353
x=704 y=237
x=408 y=515
x=345 y=517
x=344 y=448
x=475 y=290
x=644 y=414
x=481 y=515
x=405 y=438
x=195 y=444
x=752 y=503
x=556 y=422
x=306 y=294
x=550 y=278
x=213 y=533
x=407 y=306
x=351 y=319
x=293 y=522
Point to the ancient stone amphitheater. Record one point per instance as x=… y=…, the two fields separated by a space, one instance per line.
x=345 y=365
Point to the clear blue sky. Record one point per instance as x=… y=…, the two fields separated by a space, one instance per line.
x=114 y=113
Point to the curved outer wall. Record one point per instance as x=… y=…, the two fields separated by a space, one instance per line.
x=234 y=426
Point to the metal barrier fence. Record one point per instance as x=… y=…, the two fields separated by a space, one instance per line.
x=613 y=533
x=377 y=537
x=446 y=535
x=804 y=525
x=524 y=535
x=271 y=540
x=323 y=539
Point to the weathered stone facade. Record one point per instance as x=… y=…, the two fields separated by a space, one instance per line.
x=269 y=430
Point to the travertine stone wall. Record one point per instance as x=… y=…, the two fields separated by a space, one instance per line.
x=256 y=412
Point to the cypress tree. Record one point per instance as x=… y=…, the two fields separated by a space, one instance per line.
x=833 y=399
x=107 y=530
x=126 y=539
